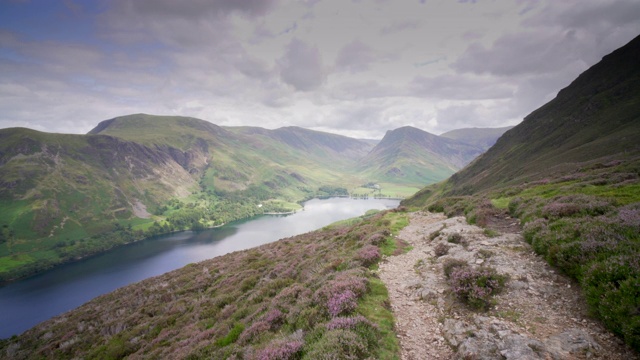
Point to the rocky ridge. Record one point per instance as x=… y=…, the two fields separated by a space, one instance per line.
x=539 y=315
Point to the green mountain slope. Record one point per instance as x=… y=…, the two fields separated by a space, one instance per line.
x=481 y=137
x=57 y=191
x=596 y=116
x=571 y=173
x=64 y=197
x=411 y=156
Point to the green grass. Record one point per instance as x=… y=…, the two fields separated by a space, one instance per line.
x=501 y=203
x=374 y=306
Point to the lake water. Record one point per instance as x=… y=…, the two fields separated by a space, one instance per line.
x=25 y=303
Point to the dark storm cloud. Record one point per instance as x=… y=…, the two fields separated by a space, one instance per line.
x=301 y=66
x=562 y=33
x=524 y=53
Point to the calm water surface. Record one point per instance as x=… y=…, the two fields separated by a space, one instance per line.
x=25 y=303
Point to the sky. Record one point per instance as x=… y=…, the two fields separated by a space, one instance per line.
x=357 y=68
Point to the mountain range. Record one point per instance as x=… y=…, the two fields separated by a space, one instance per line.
x=63 y=196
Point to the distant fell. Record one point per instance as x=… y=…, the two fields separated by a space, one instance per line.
x=411 y=155
x=481 y=137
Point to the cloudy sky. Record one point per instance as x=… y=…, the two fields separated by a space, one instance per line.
x=357 y=67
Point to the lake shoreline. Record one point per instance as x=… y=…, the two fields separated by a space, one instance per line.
x=28 y=301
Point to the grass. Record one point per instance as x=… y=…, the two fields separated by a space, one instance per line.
x=375 y=306
x=303 y=296
x=501 y=203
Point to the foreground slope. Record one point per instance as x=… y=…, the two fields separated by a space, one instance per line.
x=571 y=173
x=311 y=296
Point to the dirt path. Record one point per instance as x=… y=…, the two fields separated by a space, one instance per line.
x=540 y=314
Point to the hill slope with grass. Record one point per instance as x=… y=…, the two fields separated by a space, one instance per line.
x=312 y=296
x=412 y=156
x=64 y=197
x=570 y=172
x=596 y=116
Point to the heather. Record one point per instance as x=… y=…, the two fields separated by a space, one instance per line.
x=310 y=296
x=473 y=285
x=585 y=222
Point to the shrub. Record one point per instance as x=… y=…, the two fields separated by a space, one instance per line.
x=558 y=209
x=476 y=286
x=441 y=249
x=255 y=330
x=341 y=303
x=368 y=255
x=456 y=238
x=274 y=318
x=479 y=213
x=451 y=264
x=377 y=238
x=435 y=234
x=231 y=336
x=349 y=323
x=281 y=350
x=629 y=216
x=514 y=205
x=338 y=344
x=612 y=288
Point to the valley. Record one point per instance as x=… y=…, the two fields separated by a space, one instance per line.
x=66 y=197
x=563 y=184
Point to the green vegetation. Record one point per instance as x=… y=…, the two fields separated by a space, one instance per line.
x=62 y=195
x=306 y=297
x=585 y=223
x=570 y=172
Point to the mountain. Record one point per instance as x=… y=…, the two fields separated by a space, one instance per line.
x=570 y=173
x=320 y=145
x=481 y=137
x=413 y=156
x=596 y=116
x=64 y=197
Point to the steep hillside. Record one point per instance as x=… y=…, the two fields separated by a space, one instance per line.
x=596 y=116
x=481 y=137
x=570 y=172
x=57 y=191
x=412 y=156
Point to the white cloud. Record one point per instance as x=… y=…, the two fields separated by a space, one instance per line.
x=353 y=67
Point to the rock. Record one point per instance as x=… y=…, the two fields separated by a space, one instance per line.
x=571 y=341
x=490 y=339
x=518 y=285
x=426 y=294
x=516 y=346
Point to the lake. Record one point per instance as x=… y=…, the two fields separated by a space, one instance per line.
x=28 y=302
